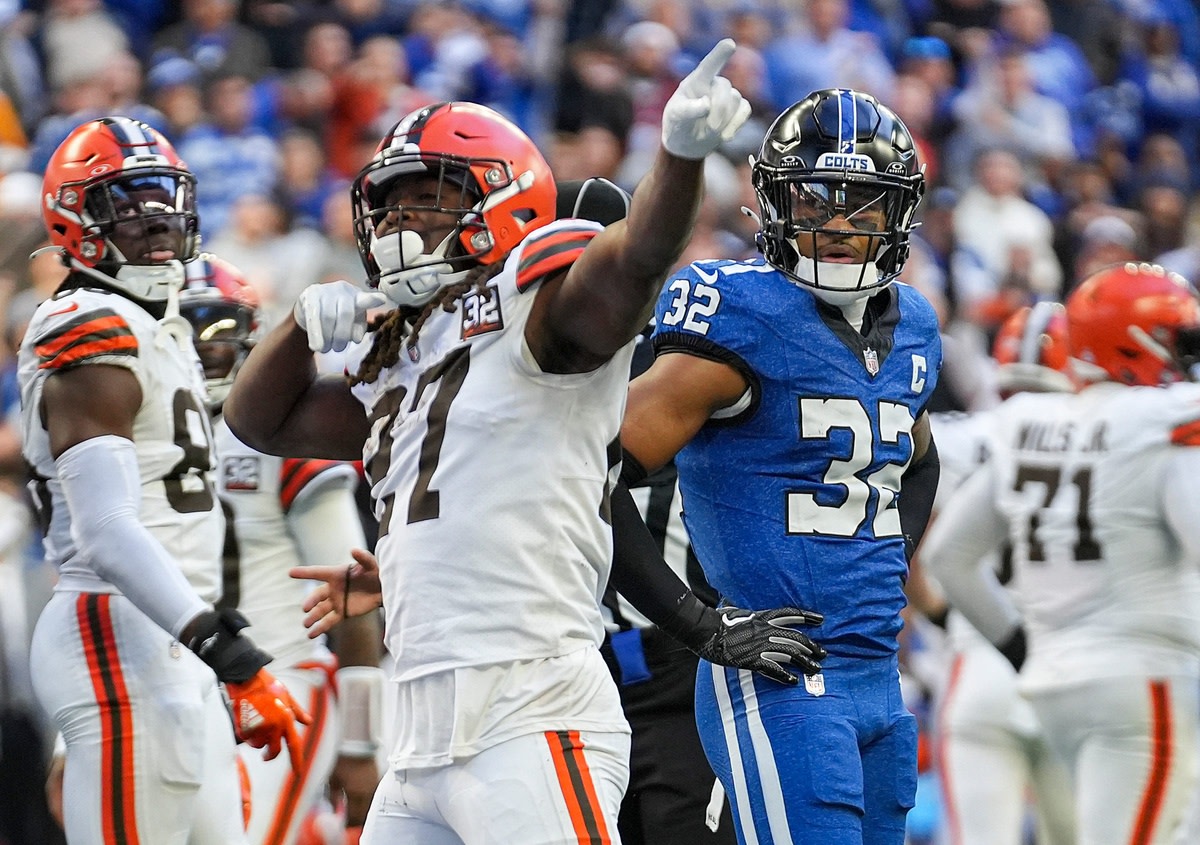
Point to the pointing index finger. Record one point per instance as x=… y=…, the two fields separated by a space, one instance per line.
x=699 y=80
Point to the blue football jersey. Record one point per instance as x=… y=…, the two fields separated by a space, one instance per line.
x=790 y=498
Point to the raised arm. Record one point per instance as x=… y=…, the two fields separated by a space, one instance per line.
x=605 y=298
x=280 y=404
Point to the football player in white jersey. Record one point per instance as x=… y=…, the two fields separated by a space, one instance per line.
x=283 y=513
x=1097 y=494
x=129 y=650
x=991 y=752
x=490 y=404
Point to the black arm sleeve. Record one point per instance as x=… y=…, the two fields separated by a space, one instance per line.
x=918 y=486
x=640 y=574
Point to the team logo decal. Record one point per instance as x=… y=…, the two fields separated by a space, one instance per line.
x=481 y=312
x=244 y=473
x=871 y=359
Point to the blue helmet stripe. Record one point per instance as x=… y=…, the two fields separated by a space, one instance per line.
x=847 y=122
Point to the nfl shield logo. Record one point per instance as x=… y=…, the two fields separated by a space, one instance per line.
x=871 y=357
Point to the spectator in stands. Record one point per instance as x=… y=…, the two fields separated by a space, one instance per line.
x=229 y=156
x=305 y=181
x=930 y=59
x=173 y=88
x=113 y=88
x=78 y=39
x=1105 y=240
x=1001 y=108
x=21 y=74
x=650 y=51
x=1163 y=199
x=211 y=36
x=593 y=88
x=1168 y=84
x=1012 y=237
x=1057 y=65
x=823 y=53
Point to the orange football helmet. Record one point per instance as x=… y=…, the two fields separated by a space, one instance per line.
x=223 y=310
x=117 y=201
x=1124 y=323
x=1032 y=352
x=491 y=176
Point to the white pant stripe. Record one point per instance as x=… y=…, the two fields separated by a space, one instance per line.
x=764 y=758
x=740 y=794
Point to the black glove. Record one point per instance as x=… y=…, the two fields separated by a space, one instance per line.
x=1013 y=648
x=214 y=637
x=754 y=640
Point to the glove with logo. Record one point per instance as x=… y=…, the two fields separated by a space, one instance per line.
x=264 y=713
x=760 y=641
x=334 y=314
x=705 y=109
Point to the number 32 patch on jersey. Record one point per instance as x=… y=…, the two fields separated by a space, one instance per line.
x=481 y=312
x=241 y=473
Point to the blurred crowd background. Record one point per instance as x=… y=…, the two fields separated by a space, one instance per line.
x=1057 y=136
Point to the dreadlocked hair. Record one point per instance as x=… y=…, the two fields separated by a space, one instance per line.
x=392 y=330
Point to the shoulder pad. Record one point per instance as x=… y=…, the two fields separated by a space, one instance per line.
x=553 y=248
x=70 y=335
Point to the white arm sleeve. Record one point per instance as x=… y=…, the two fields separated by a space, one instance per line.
x=955 y=548
x=325 y=522
x=100 y=481
x=1181 y=499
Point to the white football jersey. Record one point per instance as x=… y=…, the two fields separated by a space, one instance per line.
x=491 y=479
x=963 y=444
x=1099 y=574
x=171 y=433
x=259 y=491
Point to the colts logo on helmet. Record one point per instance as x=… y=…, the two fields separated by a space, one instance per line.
x=842 y=161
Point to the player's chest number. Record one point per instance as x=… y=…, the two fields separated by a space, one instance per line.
x=424 y=502
x=819 y=417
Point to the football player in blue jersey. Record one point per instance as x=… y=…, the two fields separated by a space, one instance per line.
x=791 y=390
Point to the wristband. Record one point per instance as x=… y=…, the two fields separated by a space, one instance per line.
x=360 y=706
x=693 y=623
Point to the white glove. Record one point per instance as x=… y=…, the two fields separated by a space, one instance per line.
x=335 y=314
x=705 y=109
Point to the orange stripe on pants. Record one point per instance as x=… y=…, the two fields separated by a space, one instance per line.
x=1160 y=764
x=118 y=811
x=293 y=787
x=950 y=809
x=575 y=780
